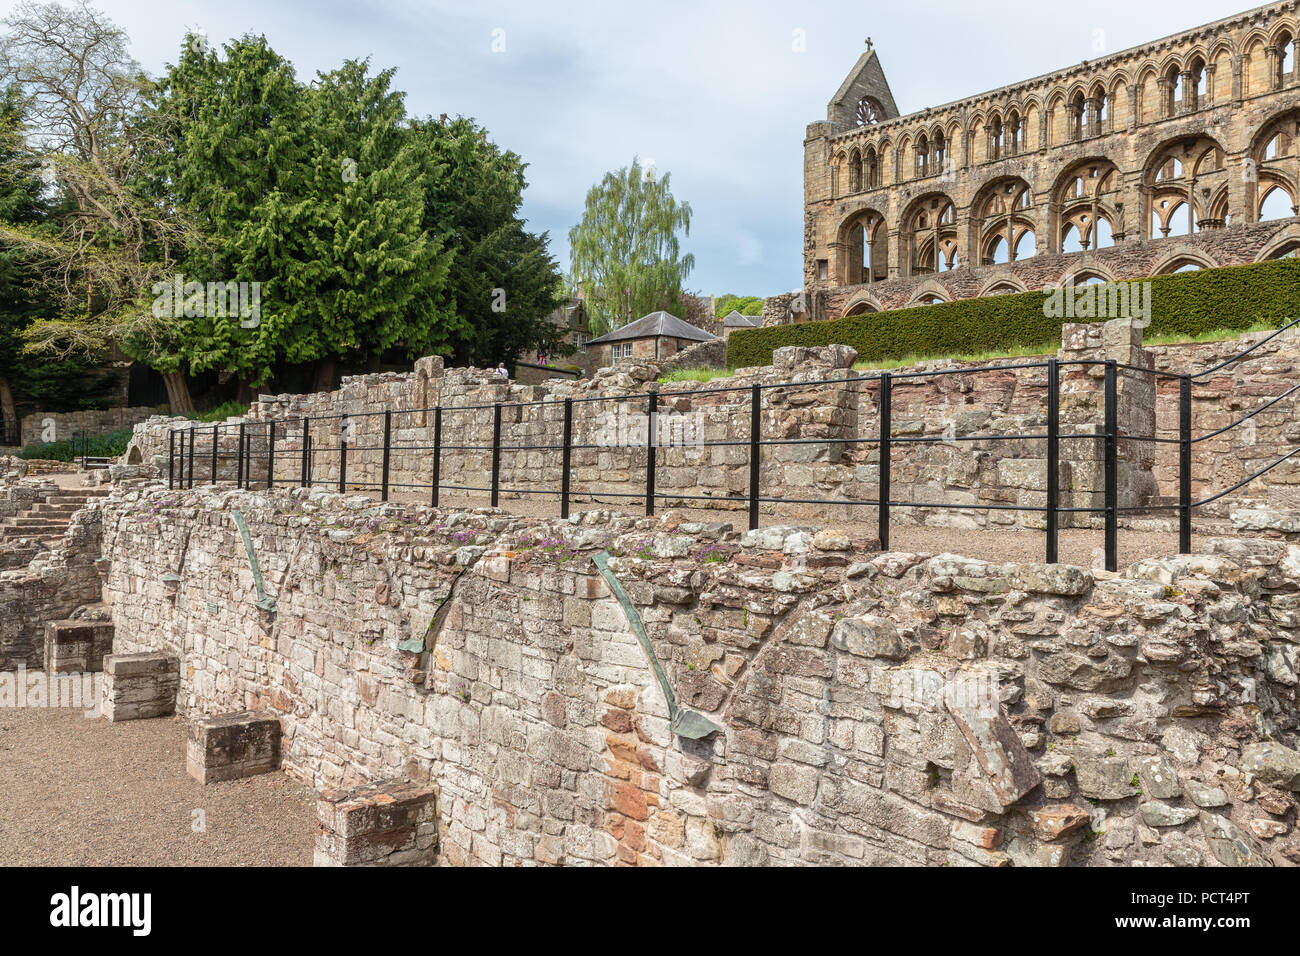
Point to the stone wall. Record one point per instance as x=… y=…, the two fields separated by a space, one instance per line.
x=867 y=708
x=48 y=587
x=949 y=468
x=92 y=422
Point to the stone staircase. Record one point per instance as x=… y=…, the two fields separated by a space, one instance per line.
x=47 y=520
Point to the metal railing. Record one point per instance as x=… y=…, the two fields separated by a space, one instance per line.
x=197 y=451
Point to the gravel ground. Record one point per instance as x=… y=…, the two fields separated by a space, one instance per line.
x=85 y=792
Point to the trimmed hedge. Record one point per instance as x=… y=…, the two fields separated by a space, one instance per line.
x=1186 y=303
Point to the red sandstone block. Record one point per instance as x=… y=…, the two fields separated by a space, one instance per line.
x=383 y=824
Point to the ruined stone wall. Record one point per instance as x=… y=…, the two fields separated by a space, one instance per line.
x=829 y=401
x=871 y=709
x=92 y=422
x=48 y=586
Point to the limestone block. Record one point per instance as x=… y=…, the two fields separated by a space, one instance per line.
x=138 y=686
x=232 y=746
x=77 y=646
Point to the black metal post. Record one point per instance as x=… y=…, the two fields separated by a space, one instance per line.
x=343 y=456
x=239 y=467
x=270 y=455
x=437 y=452
x=755 y=447
x=388 y=439
x=1185 y=465
x=190 y=479
x=85 y=448
x=1053 y=456
x=215 y=437
x=652 y=415
x=496 y=454
x=171 y=459
x=886 y=387
x=306 y=453
x=566 y=458
x=1112 y=470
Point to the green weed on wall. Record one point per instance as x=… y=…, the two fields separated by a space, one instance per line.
x=1187 y=303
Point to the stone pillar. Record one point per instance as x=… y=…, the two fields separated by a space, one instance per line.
x=77 y=646
x=383 y=824
x=137 y=686
x=1083 y=413
x=232 y=746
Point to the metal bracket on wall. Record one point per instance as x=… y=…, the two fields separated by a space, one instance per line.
x=684 y=723
x=263 y=602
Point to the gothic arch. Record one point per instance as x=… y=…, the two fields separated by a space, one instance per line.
x=863 y=240
x=1178 y=261
x=928 y=234
x=1004 y=225
x=1006 y=284
x=1085 y=195
x=1284 y=242
x=927 y=290
x=862 y=304
x=1176 y=178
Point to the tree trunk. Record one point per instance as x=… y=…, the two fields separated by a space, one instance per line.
x=244 y=394
x=324 y=376
x=178 y=393
x=9 y=427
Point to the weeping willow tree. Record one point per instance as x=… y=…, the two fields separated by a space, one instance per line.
x=625 y=254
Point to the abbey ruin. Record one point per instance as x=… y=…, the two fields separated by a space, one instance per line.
x=1177 y=154
x=1035 y=612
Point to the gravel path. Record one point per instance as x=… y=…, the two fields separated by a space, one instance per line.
x=86 y=792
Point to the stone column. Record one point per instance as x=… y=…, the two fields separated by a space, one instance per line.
x=1083 y=413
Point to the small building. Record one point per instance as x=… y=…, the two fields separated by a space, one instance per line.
x=658 y=335
x=734 y=320
x=572 y=318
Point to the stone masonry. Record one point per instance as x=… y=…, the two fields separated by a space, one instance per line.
x=826 y=398
x=872 y=708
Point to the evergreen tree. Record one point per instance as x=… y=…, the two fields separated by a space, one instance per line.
x=503 y=282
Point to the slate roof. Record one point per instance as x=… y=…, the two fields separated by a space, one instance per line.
x=656 y=323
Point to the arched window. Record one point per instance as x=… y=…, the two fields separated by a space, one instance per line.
x=855 y=171
x=1276 y=204
x=871 y=168
x=998 y=251
x=1089 y=278
x=1285 y=59
x=1102 y=234
x=1195 y=94
x=1071 y=241
x=922 y=156
x=1077 y=109
x=1026 y=245
x=1173 y=90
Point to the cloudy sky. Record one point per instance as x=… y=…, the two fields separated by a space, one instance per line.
x=718 y=94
